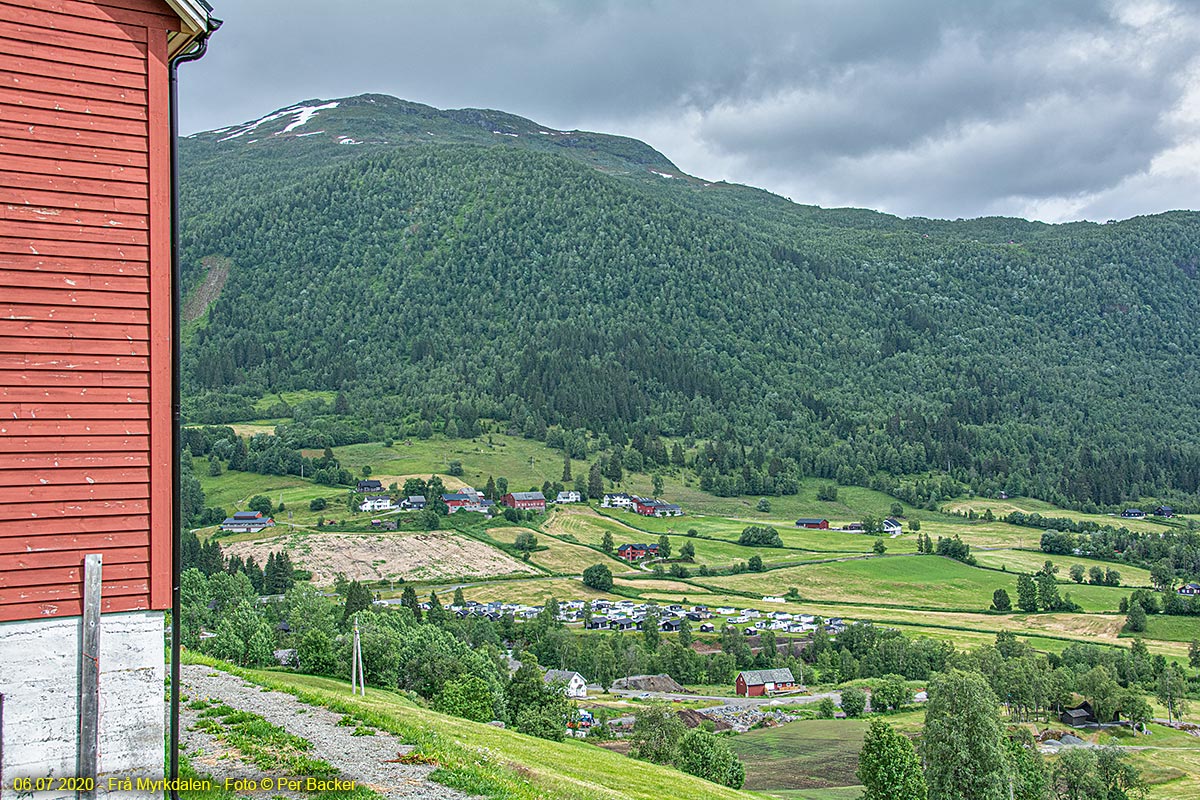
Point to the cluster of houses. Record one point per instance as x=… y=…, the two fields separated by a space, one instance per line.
x=247 y=522
x=891 y=526
x=626 y=615
x=646 y=506
x=467 y=498
x=1136 y=513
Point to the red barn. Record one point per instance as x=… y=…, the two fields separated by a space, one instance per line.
x=761 y=682
x=814 y=524
x=86 y=370
x=526 y=501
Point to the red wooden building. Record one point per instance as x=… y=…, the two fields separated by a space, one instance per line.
x=761 y=682
x=653 y=507
x=813 y=523
x=86 y=316
x=526 y=501
x=634 y=552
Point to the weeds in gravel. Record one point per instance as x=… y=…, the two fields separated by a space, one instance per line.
x=267 y=746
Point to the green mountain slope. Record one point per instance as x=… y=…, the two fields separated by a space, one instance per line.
x=444 y=270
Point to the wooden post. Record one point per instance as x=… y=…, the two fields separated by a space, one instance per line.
x=89 y=672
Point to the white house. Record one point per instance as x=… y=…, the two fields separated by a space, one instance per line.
x=568 y=497
x=617 y=500
x=891 y=527
x=573 y=683
x=377 y=503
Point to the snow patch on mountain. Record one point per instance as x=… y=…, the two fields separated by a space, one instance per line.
x=303 y=115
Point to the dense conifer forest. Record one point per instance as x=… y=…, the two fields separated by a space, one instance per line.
x=463 y=266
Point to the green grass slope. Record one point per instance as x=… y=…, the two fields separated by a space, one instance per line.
x=492 y=762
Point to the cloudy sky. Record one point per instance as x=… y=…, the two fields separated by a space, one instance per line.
x=1053 y=110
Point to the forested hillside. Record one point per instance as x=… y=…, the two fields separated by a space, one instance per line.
x=447 y=267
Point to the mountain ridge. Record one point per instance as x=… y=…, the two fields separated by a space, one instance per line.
x=547 y=285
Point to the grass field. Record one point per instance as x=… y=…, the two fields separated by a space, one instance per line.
x=1148 y=524
x=525 y=463
x=920 y=581
x=560 y=557
x=1032 y=560
x=809 y=754
x=1172 y=629
x=501 y=763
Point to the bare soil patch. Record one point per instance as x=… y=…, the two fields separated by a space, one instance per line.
x=199 y=299
x=437 y=555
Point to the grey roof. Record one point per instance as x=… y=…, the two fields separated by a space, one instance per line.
x=756 y=677
x=528 y=496
x=810 y=520
x=559 y=676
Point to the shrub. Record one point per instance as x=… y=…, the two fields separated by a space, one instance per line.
x=598 y=577
x=760 y=536
x=854 y=701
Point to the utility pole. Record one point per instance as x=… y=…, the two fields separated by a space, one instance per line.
x=358 y=684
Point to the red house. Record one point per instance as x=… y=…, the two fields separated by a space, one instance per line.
x=761 y=682
x=634 y=552
x=86 y=371
x=649 y=507
x=815 y=524
x=526 y=501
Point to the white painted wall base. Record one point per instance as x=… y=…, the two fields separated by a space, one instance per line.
x=39 y=678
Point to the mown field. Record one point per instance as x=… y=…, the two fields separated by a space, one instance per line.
x=910 y=580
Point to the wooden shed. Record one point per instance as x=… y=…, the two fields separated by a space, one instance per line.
x=86 y=318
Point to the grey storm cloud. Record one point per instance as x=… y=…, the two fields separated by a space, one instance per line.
x=1057 y=110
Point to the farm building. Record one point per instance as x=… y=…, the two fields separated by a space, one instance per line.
x=1133 y=513
x=525 y=501
x=415 y=502
x=465 y=499
x=1082 y=715
x=376 y=503
x=87 y=447
x=891 y=526
x=574 y=686
x=648 y=507
x=1191 y=589
x=369 y=486
x=815 y=524
x=617 y=500
x=1164 y=511
x=633 y=552
x=760 y=682
x=569 y=497
x=247 y=522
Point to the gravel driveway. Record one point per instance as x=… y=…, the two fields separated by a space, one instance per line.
x=359 y=758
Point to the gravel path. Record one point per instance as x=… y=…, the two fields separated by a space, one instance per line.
x=359 y=758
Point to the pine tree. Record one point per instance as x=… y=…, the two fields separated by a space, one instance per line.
x=606 y=543
x=595 y=486
x=566 y=476
x=1027 y=594
x=408 y=599
x=358 y=598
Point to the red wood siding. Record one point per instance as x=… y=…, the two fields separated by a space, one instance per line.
x=85 y=415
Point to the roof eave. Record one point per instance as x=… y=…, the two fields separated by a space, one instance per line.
x=194 y=21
